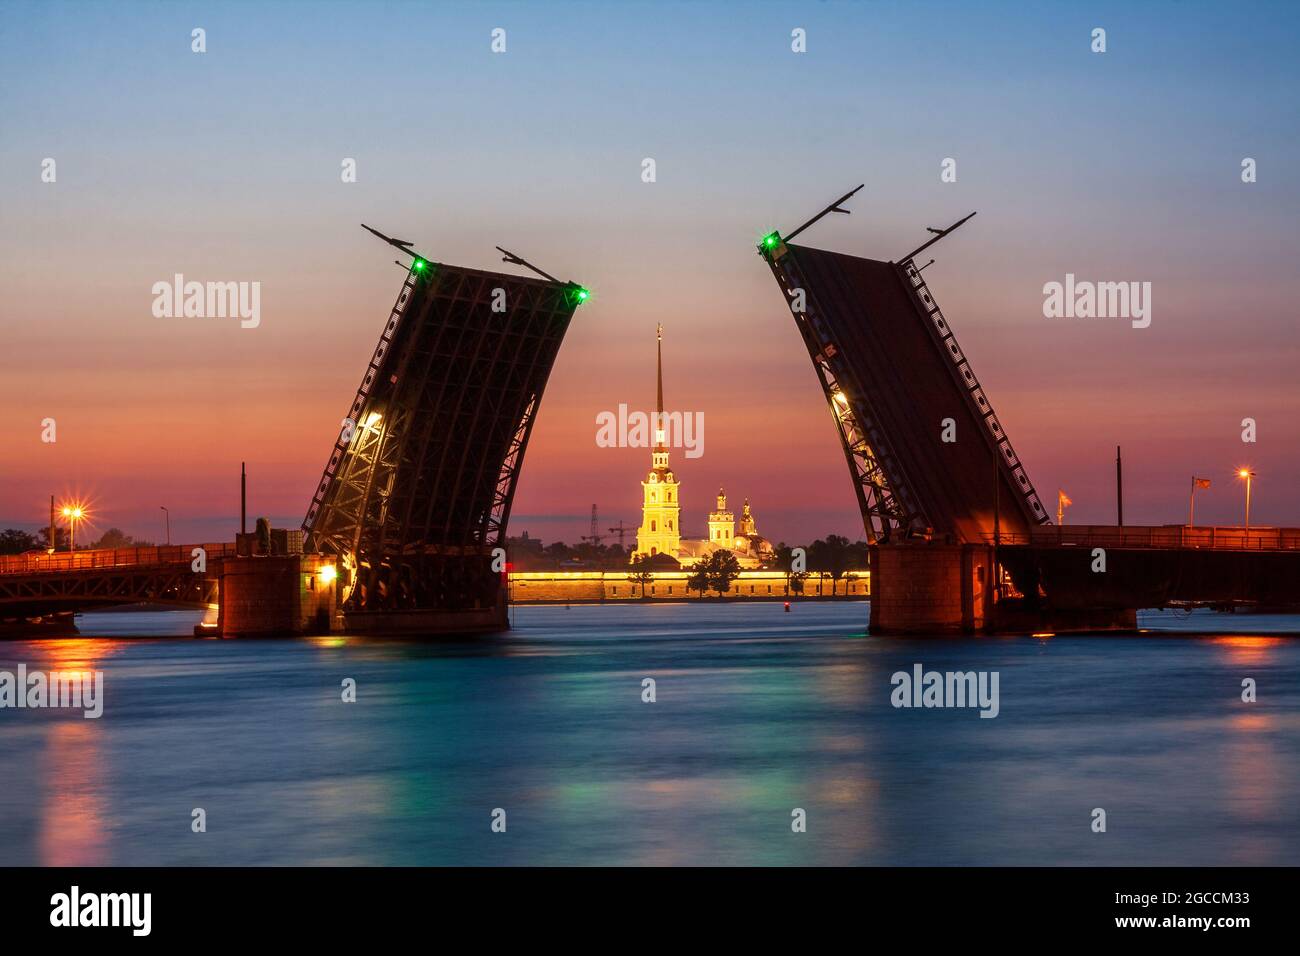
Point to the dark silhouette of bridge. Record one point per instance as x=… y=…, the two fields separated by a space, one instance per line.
x=36 y=585
x=407 y=526
x=960 y=540
x=406 y=529
x=416 y=495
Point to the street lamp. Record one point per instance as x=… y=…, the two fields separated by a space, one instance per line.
x=73 y=513
x=168 y=515
x=1248 y=475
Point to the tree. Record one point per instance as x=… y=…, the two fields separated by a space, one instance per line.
x=525 y=553
x=849 y=578
x=715 y=572
x=532 y=554
x=832 y=555
x=16 y=541
x=698 y=580
x=783 y=560
x=60 y=539
x=640 y=572
x=782 y=557
x=115 y=538
x=555 y=552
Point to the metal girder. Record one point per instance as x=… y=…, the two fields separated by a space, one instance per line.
x=901 y=391
x=356 y=449
x=886 y=513
x=441 y=424
x=968 y=383
x=29 y=595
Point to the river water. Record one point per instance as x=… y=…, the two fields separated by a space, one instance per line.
x=758 y=713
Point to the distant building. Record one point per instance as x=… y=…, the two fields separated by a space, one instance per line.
x=660 y=533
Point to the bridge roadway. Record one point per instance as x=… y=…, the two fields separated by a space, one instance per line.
x=1148 y=567
x=38 y=585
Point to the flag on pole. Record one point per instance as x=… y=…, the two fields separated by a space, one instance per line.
x=1202 y=482
x=1063 y=499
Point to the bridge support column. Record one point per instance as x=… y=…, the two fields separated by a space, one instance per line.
x=274 y=596
x=930 y=589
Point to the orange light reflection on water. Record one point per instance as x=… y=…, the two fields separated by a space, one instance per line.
x=1249 y=648
x=72 y=827
x=72 y=821
x=74 y=653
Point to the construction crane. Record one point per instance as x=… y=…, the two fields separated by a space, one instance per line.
x=595 y=537
x=620 y=529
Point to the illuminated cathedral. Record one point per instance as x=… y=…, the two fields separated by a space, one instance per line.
x=661 y=530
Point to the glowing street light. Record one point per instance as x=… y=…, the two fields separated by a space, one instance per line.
x=1247 y=474
x=73 y=513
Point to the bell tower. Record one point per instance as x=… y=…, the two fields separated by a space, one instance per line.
x=661 y=529
x=747 y=526
x=722 y=524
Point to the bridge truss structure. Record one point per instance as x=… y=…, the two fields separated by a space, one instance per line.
x=928 y=456
x=33 y=586
x=419 y=484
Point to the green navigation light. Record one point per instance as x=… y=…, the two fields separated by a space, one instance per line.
x=583 y=295
x=419 y=265
x=770 y=240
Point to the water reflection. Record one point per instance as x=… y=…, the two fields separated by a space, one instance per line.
x=757 y=712
x=72 y=819
x=1249 y=648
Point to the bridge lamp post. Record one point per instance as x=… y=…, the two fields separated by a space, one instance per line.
x=168 y=515
x=73 y=514
x=1248 y=475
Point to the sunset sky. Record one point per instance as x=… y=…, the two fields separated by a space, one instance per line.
x=225 y=165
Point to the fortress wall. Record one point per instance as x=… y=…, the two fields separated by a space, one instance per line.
x=541 y=587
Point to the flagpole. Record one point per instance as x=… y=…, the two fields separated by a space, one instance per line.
x=1191 y=505
x=1119 y=486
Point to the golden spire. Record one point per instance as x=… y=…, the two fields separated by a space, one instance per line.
x=659 y=405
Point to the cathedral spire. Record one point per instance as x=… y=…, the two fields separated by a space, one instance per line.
x=659 y=405
x=660 y=531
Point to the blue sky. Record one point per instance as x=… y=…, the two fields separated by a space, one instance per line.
x=1119 y=166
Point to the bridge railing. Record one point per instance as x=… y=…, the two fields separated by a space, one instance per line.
x=110 y=557
x=1162 y=536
